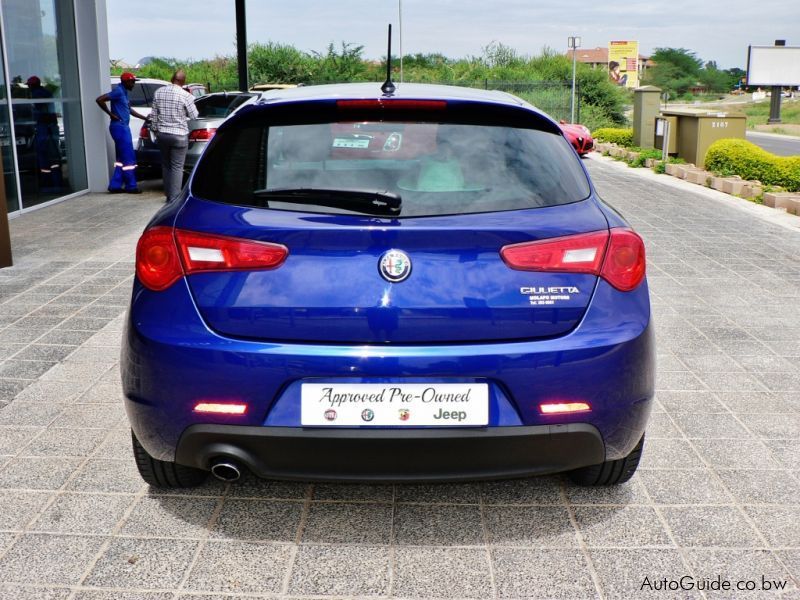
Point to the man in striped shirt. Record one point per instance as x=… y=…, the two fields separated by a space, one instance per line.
x=172 y=109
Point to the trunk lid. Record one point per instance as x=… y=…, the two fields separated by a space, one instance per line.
x=331 y=290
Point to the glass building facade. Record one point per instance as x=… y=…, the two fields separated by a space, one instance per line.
x=43 y=137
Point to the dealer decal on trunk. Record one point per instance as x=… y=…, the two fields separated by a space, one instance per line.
x=548 y=296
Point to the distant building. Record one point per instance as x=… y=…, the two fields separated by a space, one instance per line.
x=597 y=58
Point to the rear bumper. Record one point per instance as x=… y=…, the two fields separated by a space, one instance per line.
x=394 y=454
x=169 y=364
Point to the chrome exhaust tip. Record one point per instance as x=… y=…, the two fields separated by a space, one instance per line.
x=226 y=471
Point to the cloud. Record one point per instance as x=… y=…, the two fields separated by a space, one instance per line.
x=715 y=29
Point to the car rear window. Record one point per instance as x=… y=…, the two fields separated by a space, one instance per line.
x=219 y=107
x=437 y=168
x=142 y=94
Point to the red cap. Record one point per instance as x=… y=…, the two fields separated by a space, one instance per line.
x=126 y=76
x=34 y=80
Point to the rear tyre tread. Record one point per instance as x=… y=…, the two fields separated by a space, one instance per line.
x=165 y=474
x=610 y=472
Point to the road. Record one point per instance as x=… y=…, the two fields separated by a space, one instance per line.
x=782 y=145
x=717 y=494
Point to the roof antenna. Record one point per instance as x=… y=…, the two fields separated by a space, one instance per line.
x=388 y=87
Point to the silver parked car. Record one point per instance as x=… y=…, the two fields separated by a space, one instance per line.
x=212 y=110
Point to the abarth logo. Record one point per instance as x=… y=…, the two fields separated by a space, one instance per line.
x=404 y=414
x=394 y=266
x=367 y=415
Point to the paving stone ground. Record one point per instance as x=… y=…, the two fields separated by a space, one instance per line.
x=717 y=494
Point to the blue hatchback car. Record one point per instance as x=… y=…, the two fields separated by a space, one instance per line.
x=411 y=286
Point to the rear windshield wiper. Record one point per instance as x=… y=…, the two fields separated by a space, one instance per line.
x=372 y=202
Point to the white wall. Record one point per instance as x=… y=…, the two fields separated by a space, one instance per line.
x=93 y=62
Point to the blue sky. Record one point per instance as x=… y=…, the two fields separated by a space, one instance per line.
x=715 y=29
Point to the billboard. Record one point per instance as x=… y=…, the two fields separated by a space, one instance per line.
x=773 y=65
x=623 y=63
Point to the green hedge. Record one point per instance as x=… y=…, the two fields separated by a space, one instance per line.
x=748 y=161
x=622 y=137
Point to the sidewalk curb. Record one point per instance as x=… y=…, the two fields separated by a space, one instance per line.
x=780 y=136
x=765 y=213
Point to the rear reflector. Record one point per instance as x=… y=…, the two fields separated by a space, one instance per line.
x=553 y=408
x=164 y=254
x=616 y=255
x=391 y=104
x=221 y=408
x=201 y=135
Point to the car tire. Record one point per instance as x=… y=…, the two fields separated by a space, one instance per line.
x=165 y=474
x=610 y=472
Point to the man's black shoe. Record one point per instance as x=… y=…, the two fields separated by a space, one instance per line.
x=116 y=191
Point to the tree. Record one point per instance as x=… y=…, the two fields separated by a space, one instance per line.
x=344 y=65
x=278 y=63
x=685 y=60
x=735 y=76
x=713 y=79
x=675 y=70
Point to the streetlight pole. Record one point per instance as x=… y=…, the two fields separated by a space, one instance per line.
x=241 y=45
x=574 y=43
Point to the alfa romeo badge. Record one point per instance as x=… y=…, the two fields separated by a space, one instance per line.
x=395 y=266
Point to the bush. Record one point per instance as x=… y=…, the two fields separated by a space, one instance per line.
x=748 y=161
x=644 y=154
x=596 y=117
x=621 y=137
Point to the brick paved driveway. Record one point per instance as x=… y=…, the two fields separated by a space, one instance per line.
x=718 y=492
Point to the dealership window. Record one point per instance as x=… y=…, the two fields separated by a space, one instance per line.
x=6 y=141
x=43 y=85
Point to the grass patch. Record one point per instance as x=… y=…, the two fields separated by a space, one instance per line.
x=758 y=114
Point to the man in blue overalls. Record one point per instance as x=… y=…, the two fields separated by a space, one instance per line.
x=120 y=114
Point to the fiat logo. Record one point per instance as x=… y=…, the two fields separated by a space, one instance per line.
x=395 y=266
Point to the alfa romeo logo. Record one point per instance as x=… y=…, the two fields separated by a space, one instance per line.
x=367 y=415
x=395 y=266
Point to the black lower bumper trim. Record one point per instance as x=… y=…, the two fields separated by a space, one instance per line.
x=312 y=454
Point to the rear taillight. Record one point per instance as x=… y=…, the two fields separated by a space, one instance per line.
x=203 y=252
x=157 y=263
x=164 y=254
x=144 y=132
x=616 y=255
x=624 y=266
x=201 y=135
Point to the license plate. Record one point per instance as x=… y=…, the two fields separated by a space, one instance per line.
x=403 y=405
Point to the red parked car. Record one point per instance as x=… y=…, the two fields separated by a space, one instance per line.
x=579 y=136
